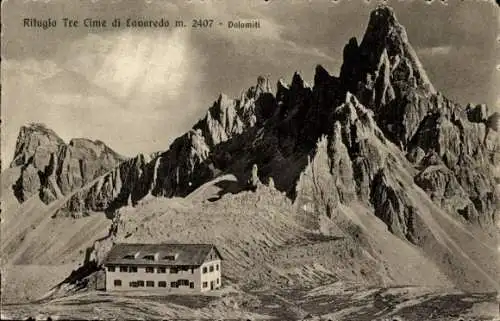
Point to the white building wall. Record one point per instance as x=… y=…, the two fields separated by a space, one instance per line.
x=127 y=277
x=211 y=276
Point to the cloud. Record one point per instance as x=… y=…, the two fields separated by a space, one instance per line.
x=272 y=35
x=135 y=66
x=435 y=50
x=308 y=51
x=131 y=89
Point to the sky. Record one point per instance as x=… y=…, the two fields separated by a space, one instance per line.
x=138 y=89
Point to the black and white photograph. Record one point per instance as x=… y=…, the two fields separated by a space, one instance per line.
x=333 y=160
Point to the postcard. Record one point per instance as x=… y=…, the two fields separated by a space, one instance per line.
x=247 y=160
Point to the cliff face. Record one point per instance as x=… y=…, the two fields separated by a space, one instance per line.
x=51 y=169
x=384 y=72
x=387 y=76
x=382 y=113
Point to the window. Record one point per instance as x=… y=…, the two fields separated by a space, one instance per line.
x=111 y=268
x=150 y=269
x=132 y=269
x=211 y=268
x=149 y=257
x=205 y=284
x=217 y=267
x=174 y=270
x=170 y=257
x=140 y=283
x=162 y=284
x=161 y=270
x=182 y=282
x=118 y=283
x=204 y=269
x=192 y=270
x=123 y=269
x=173 y=284
x=132 y=284
x=217 y=280
x=191 y=285
x=129 y=257
x=150 y=284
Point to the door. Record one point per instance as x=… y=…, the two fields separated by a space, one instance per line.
x=211 y=285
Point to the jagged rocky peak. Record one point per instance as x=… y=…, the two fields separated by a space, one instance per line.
x=223 y=109
x=282 y=90
x=263 y=86
x=228 y=117
x=221 y=121
x=246 y=105
x=224 y=101
x=346 y=113
x=383 y=24
x=353 y=113
x=385 y=33
x=297 y=85
x=97 y=148
x=384 y=65
x=281 y=85
x=385 y=74
x=299 y=82
x=32 y=137
x=321 y=75
x=52 y=169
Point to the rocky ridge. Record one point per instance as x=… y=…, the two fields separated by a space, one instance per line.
x=382 y=97
x=52 y=169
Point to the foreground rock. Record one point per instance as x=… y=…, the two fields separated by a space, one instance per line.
x=351 y=303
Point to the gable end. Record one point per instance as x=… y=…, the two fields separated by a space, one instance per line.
x=213 y=254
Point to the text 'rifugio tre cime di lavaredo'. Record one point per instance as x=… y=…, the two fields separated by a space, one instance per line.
x=95 y=23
